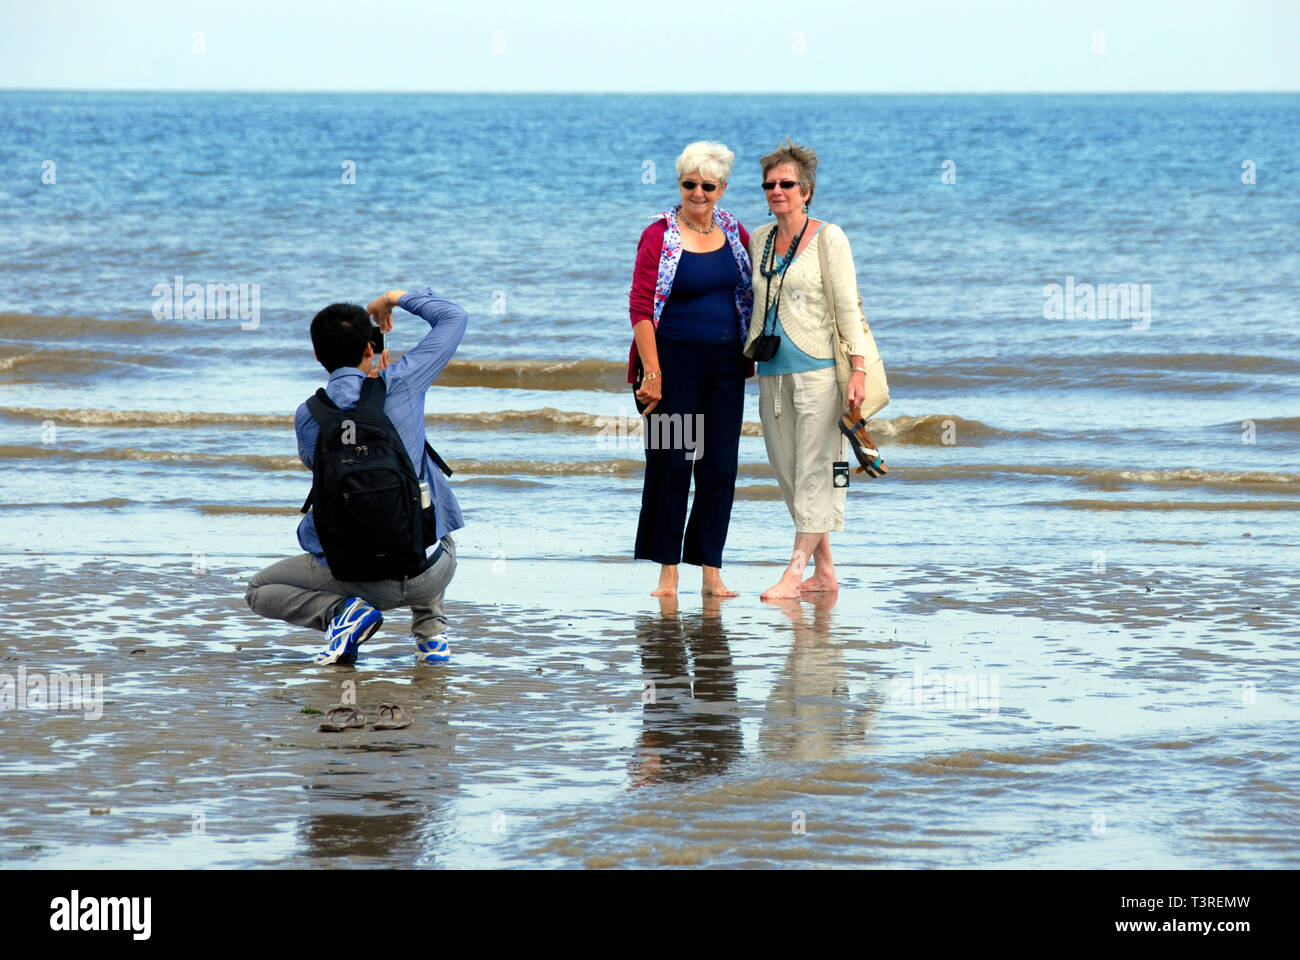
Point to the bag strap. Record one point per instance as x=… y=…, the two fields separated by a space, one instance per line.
x=830 y=293
x=323 y=410
x=327 y=415
x=373 y=393
x=824 y=264
x=842 y=362
x=437 y=460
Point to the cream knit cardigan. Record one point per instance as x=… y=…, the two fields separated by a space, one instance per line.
x=803 y=311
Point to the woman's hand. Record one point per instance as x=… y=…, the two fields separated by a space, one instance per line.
x=651 y=392
x=857 y=389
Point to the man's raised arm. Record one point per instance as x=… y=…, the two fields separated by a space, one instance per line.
x=420 y=365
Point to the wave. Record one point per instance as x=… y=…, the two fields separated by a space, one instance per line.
x=220 y=509
x=544 y=419
x=107 y=502
x=55 y=452
x=1115 y=478
x=537 y=374
x=937 y=429
x=510 y=483
x=1267 y=425
x=26 y=327
x=1102 y=477
x=554 y=468
x=1150 y=372
x=926 y=430
x=147 y=418
x=1188 y=505
x=32 y=365
x=759 y=491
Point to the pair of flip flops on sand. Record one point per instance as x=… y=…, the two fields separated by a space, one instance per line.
x=854 y=426
x=349 y=717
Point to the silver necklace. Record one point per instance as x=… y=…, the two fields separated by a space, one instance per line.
x=681 y=218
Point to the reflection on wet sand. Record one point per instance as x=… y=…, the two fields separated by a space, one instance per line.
x=690 y=722
x=393 y=833
x=349 y=820
x=208 y=752
x=809 y=715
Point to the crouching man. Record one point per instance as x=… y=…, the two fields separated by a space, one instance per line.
x=379 y=518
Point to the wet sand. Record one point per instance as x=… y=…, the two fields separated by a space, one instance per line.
x=1138 y=718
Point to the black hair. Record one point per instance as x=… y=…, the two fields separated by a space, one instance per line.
x=339 y=333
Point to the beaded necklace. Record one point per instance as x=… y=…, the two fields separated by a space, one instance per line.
x=770 y=308
x=769 y=247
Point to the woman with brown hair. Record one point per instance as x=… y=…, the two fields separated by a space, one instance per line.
x=794 y=334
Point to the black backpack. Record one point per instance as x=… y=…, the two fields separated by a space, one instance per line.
x=365 y=493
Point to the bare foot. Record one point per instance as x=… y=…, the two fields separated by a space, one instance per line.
x=713 y=585
x=667 y=582
x=821 y=584
x=784 y=589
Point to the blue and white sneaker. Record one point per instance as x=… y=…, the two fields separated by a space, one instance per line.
x=349 y=630
x=432 y=649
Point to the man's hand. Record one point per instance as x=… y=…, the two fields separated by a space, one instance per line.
x=380 y=362
x=381 y=309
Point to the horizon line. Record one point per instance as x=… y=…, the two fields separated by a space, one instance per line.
x=653 y=93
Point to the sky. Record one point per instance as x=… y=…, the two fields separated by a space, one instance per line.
x=899 y=46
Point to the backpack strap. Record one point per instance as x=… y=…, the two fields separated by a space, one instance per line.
x=323 y=410
x=327 y=415
x=437 y=460
x=373 y=393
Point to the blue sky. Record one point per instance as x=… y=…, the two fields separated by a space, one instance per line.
x=614 y=46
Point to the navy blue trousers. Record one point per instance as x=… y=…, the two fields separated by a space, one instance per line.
x=706 y=383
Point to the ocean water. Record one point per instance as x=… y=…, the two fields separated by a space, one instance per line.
x=1045 y=467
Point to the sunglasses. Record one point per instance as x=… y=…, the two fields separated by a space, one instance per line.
x=770 y=185
x=690 y=185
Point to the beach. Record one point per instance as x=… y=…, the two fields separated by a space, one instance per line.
x=1139 y=719
x=1065 y=635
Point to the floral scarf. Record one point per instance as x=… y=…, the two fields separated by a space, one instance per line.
x=672 y=255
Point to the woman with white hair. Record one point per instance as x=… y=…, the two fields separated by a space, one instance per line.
x=690 y=307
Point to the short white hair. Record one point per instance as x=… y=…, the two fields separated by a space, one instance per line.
x=712 y=159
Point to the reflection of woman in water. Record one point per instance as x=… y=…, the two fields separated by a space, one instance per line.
x=809 y=715
x=690 y=725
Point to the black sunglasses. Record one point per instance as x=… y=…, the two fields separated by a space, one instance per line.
x=691 y=185
x=770 y=185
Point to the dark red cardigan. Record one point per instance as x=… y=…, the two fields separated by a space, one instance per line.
x=645 y=277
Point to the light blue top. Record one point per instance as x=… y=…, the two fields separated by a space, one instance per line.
x=407 y=381
x=789 y=358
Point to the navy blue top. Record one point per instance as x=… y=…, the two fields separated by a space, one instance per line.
x=701 y=306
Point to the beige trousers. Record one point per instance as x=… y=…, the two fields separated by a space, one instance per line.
x=800 y=414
